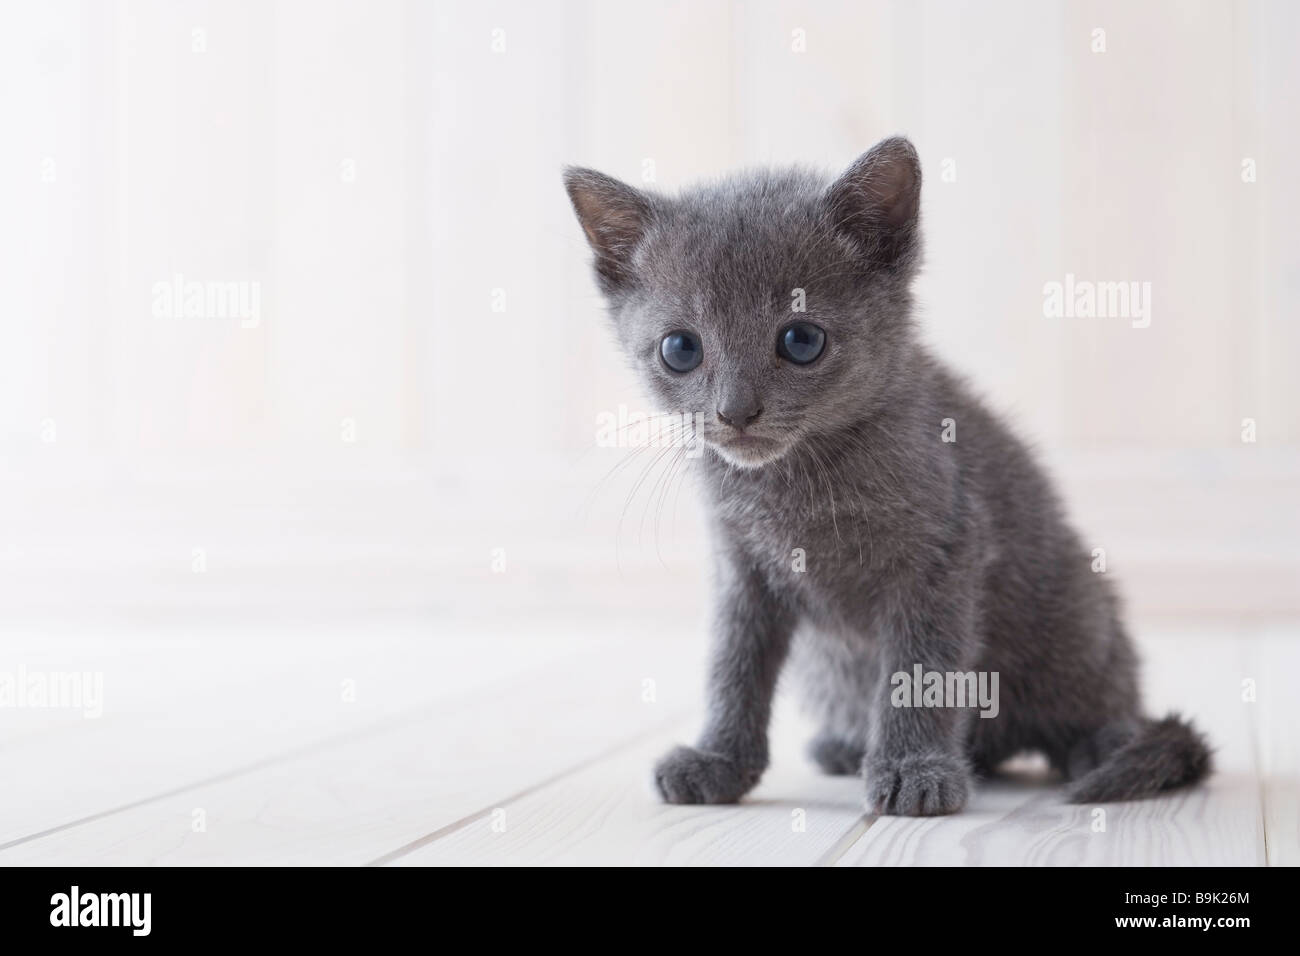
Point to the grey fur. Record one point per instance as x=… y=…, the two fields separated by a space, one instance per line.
x=952 y=555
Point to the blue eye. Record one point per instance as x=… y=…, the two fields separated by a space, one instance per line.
x=801 y=343
x=682 y=351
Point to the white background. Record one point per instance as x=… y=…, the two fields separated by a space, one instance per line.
x=379 y=169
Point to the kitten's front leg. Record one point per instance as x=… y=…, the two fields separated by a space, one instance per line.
x=916 y=763
x=751 y=636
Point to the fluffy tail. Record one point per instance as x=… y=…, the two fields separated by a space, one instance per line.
x=1163 y=755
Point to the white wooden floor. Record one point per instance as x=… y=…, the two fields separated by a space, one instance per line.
x=471 y=743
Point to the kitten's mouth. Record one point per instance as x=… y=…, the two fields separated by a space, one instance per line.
x=747 y=450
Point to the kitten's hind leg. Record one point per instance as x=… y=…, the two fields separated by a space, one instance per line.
x=836 y=755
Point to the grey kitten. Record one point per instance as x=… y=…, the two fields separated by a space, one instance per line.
x=854 y=536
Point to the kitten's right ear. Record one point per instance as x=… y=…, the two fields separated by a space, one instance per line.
x=614 y=216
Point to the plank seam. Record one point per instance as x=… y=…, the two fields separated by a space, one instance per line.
x=430 y=838
x=848 y=840
x=288 y=756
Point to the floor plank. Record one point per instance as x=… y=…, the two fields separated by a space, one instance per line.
x=1274 y=663
x=558 y=728
x=1026 y=823
x=1023 y=821
x=607 y=815
x=354 y=799
x=186 y=703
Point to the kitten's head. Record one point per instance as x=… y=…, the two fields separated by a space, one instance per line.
x=773 y=304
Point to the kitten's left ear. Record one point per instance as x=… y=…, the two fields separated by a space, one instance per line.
x=614 y=216
x=877 y=202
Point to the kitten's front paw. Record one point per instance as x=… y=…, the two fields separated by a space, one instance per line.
x=917 y=786
x=687 y=775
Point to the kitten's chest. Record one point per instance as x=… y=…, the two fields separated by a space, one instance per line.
x=823 y=552
x=793 y=539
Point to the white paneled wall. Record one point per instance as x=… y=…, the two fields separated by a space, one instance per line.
x=385 y=176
